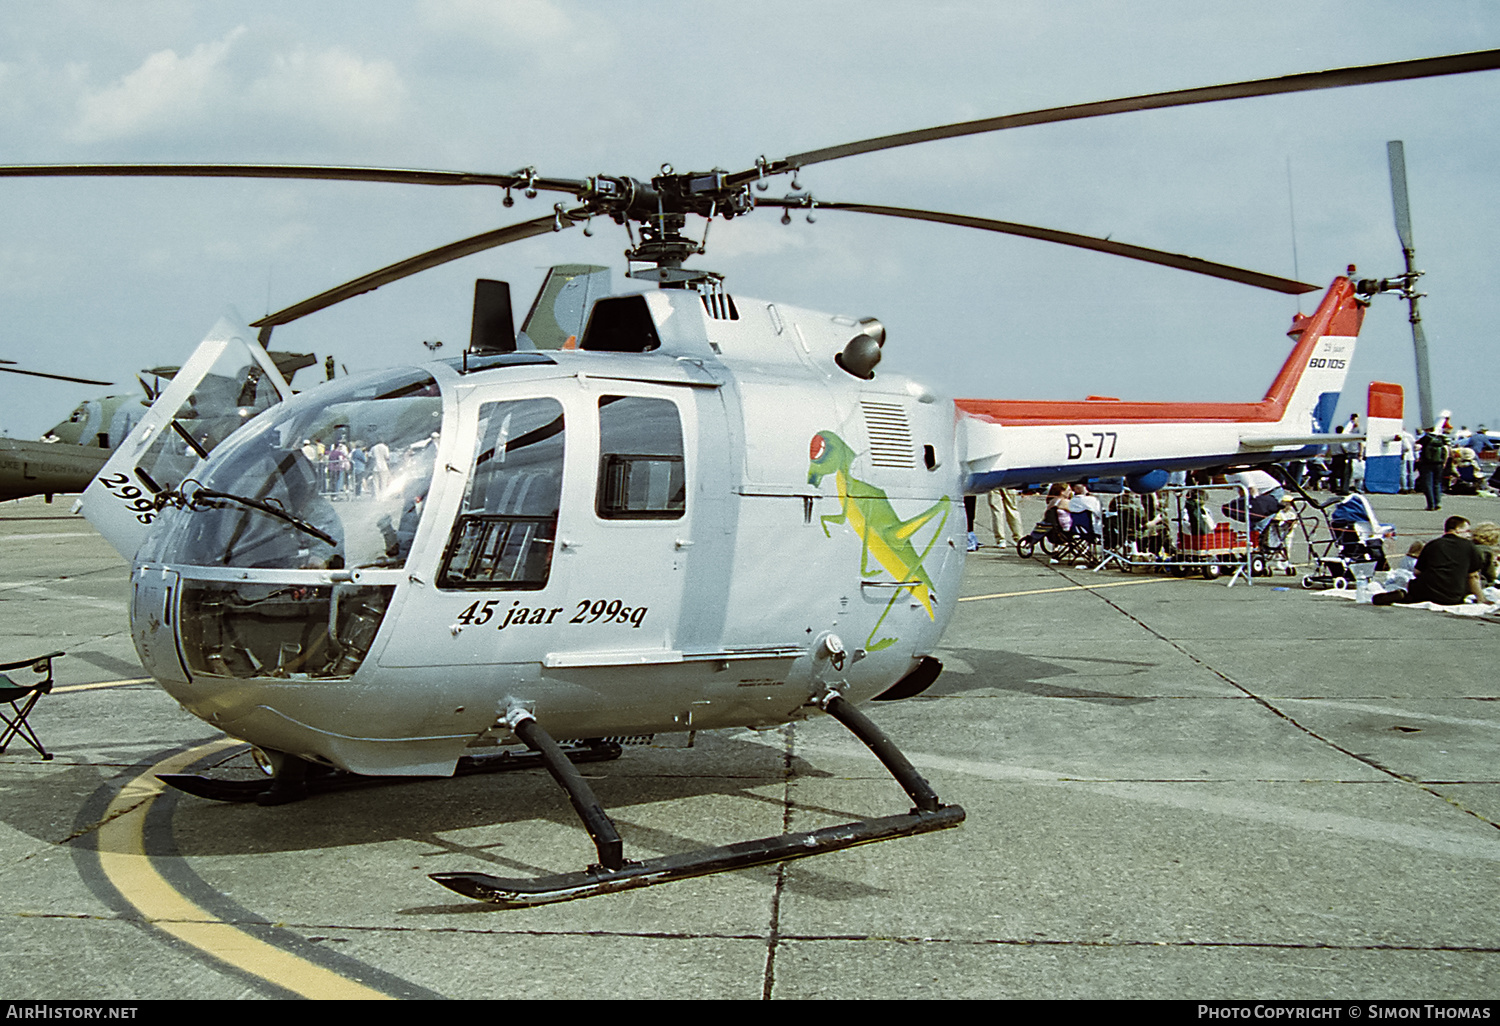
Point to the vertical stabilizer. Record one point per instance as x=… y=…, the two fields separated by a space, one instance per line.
x=1383 y=426
x=1313 y=375
x=562 y=306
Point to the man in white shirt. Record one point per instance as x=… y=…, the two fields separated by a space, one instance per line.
x=1083 y=502
x=1257 y=482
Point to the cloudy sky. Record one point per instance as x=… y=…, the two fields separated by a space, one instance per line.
x=105 y=277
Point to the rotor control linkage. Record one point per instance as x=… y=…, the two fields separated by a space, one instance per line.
x=929 y=815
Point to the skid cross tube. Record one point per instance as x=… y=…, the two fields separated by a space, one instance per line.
x=929 y=815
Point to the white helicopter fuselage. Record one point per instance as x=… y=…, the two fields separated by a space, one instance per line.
x=696 y=518
x=619 y=542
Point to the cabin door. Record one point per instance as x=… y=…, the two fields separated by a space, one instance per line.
x=633 y=548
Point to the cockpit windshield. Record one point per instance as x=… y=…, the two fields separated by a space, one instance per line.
x=351 y=459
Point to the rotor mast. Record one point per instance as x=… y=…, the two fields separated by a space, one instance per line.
x=661 y=210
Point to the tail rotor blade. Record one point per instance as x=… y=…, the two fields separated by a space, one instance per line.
x=1424 y=377
x=1397 y=156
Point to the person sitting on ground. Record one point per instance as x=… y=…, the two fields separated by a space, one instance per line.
x=1405 y=569
x=1464 y=476
x=1447 y=570
x=1486 y=536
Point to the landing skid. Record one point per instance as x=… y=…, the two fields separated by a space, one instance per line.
x=614 y=872
x=308 y=780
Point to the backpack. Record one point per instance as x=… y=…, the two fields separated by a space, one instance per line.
x=1432 y=450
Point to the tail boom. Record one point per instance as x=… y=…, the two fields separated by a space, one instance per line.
x=1022 y=441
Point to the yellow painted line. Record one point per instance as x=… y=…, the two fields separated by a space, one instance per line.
x=123 y=857
x=1074 y=587
x=102 y=684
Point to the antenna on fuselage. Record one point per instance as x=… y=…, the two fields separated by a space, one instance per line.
x=494 y=327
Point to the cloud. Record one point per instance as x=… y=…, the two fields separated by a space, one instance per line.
x=165 y=92
x=516 y=23
x=233 y=84
x=532 y=34
x=332 y=87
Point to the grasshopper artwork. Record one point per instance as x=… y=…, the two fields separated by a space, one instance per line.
x=883 y=534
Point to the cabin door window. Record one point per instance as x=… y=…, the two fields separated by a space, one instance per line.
x=507 y=529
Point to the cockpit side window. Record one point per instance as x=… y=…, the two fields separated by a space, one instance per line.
x=506 y=530
x=641 y=473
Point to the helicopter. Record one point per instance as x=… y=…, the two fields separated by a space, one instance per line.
x=46 y=468
x=55 y=464
x=73 y=451
x=652 y=512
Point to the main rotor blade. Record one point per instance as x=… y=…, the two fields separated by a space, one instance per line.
x=1150 y=256
x=403 y=176
x=54 y=377
x=421 y=262
x=1456 y=64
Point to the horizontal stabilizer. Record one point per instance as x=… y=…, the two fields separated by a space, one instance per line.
x=1280 y=440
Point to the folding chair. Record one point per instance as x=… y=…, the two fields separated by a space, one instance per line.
x=22 y=698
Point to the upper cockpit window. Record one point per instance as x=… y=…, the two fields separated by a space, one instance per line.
x=353 y=459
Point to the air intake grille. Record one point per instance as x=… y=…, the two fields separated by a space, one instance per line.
x=720 y=306
x=890 y=434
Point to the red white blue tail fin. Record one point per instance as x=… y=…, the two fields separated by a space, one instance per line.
x=1384 y=423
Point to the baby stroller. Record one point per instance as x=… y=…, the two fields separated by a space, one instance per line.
x=1271 y=524
x=1355 y=547
x=1272 y=544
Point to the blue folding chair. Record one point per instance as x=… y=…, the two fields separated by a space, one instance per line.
x=23 y=698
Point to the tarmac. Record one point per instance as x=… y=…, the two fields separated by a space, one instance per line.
x=1176 y=789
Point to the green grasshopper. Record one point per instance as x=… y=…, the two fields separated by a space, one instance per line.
x=868 y=512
